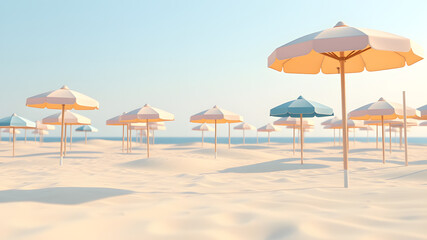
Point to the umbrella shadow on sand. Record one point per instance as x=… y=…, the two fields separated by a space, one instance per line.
x=56 y=153
x=273 y=166
x=372 y=160
x=60 y=195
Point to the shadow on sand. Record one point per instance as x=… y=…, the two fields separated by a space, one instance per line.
x=60 y=195
x=272 y=166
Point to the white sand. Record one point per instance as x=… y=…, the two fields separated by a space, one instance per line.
x=182 y=192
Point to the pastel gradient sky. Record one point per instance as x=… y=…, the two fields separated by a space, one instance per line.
x=186 y=56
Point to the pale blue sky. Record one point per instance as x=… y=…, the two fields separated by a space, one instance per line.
x=186 y=56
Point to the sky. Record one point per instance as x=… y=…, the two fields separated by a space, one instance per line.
x=187 y=56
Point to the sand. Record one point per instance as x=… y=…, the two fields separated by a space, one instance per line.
x=182 y=192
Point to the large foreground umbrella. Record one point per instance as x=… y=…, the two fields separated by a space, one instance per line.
x=382 y=110
x=115 y=121
x=301 y=108
x=86 y=129
x=244 y=126
x=294 y=123
x=13 y=122
x=147 y=114
x=217 y=115
x=268 y=128
x=64 y=99
x=70 y=119
x=343 y=49
x=203 y=128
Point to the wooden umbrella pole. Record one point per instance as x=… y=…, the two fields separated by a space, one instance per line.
x=215 y=138
x=301 y=140
x=268 y=137
x=382 y=136
x=127 y=138
x=229 y=141
x=85 y=137
x=243 y=136
x=405 y=128
x=334 y=137
x=65 y=140
x=293 y=144
x=62 y=133
x=13 y=147
x=140 y=136
x=202 y=138
x=400 y=137
x=148 y=140
x=389 y=130
x=25 y=135
x=153 y=137
x=123 y=138
x=377 y=136
x=71 y=135
x=344 y=119
x=130 y=139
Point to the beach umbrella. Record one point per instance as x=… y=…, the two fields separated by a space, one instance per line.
x=70 y=119
x=148 y=115
x=301 y=108
x=203 y=128
x=217 y=115
x=328 y=122
x=344 y=49
x=43 y=127
x=41 y=134
x=115 y=121
x=396 y=122
x=153 y=126
x=63 y=99
x=294 y=123
x=268 y=128
x=244 y=126
x=13 y=122
x=367 y=129
x=351 y=124
x=423 y=112
x=10 y=131
x=86 y=129
x=382 y=110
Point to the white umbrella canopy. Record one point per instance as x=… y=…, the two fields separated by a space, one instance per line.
x=244 y=126
x=147 y=114
x=337 y=124
x=203 y=128
x=70 y=118
x=268 y=128
x=344 y=49
x=115 y=121
x=64 y=99
x=217 y=115
x=383 y=110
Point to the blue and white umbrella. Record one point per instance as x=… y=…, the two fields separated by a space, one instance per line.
x=14 y=121
x=86 y=129
x=301 y=108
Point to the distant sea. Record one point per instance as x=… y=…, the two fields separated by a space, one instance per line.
x=224 y=140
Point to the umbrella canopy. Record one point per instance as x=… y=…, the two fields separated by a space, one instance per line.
x=399 y=122
x=329 y=121
x=268 y=128
x=244 y=126
x=64 y=99
x=301 y=108
x=203 y=127
x=13 y=122
x=10 y=131
x=217 y=115
x=291 y=121
x=115 y=121
x=343 y=49
x=147 y=114
x=368 y=128
x=70 y=118
x=382 y=110
x=337 y=124
x=41 y=126
x=40 y=132
x=423 y=112
x=86 y=128
x=423 y=124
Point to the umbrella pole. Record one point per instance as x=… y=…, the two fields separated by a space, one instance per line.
x=377 y=136
x=243 y=136
x=202 y=138
x=229 y=142
x=85 y=137
x=140 y=136
x=25 y=135
x=153 y=137
x=268 y=137
x=257 y=137
x=389 y=131
x=215 y=138
x=334 y=137
x=148 y=140
x=65 y=139
x=293 y=144
x=405 y=128
x=130 y=139
x=62 y=133
x=13 y=147
x=344 y=119
x=71 y=135
x=400 y=138
x=123 y=138
x=127 y=138
x=382 y=136
x=301 y=140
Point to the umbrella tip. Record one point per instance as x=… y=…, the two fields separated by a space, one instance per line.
x=14 y=115
x=216 y=106
x=147 y=105
x=381 y=99
x=65 y=87
x=300 y=97
x=340 y=24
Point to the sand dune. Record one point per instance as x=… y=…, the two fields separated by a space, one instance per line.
x=183 y=192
